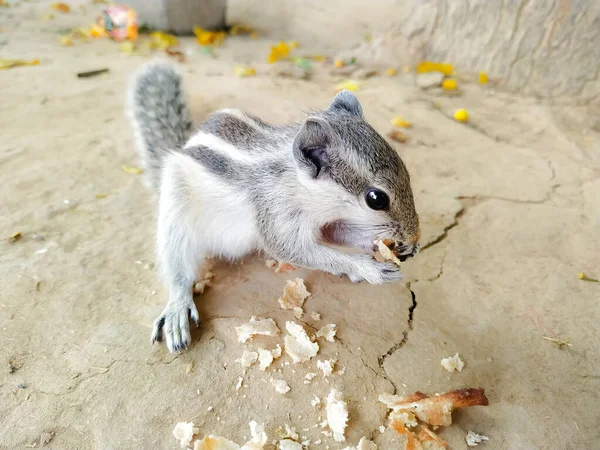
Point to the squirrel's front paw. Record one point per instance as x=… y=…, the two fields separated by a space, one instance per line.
x=174 y=325
x=376 y=272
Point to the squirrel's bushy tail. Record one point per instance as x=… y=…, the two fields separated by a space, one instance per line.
x=160 y=117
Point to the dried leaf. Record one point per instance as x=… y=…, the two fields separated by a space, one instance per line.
x=428 y=66
x=62 y=7
x=175 y=54
x=241 y=71
x=584 y=277
x=132 y=170
x=400 y=122
x=397 y=136
x=560 y=342
x=161 y=40
x=66 y=40
x=92 y=73
x=348 y=85
x=243 y=29
x=279 y=51
x=15 y=237
x=204 y=37
x=8 y=63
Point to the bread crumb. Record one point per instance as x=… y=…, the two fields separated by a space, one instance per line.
x=326 y=366
x=239 y=383
x=473 y=439
x=290 y=432
x=297 y=344
x=276 y=352
x=315 y=316
x=184 y=432
x=288 y=444
x=328 y=332
x=406 y=417
x=265 y=358
x=270 y=263
x=298 y=312
x=281 y=386
x=364 y=444
x=211 y=442
x=309 y=376
x=294 y=294
x=315 y=402
x=202 y=284
x=337 y=415
x=453 y=363
x=258 y=441
x=248 y=358
x=386 y=253
x=265 y=327
x=381 y=429
x=435 y=410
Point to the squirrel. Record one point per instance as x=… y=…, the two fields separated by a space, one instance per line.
x=301 y=193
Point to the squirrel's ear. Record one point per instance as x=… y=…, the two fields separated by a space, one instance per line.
x=311 y=145
x=346 y=101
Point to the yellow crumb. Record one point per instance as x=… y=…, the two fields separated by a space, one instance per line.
x=428 y=66
x=348 y=85
x=400 y=122
x=242 y=71
x=132 y=170
x=449 y=84
x=483 y=79
x=391 y=72
x=461 y=115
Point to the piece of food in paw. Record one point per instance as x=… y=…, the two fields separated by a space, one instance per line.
x=385 y=250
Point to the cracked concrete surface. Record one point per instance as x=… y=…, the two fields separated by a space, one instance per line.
x=510 y=211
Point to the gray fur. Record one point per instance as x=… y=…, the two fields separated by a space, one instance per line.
x=289 y=191
x=159 y=114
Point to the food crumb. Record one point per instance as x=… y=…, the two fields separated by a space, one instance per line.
x=297 y=344
x=381 y=429
x=266 y=327
x=248 y=358
x=294 y=294
x=326 y=366
x=265 y=358
x=315 y=402
x=288 y=444
x=281 y=386
x=453 y=363
x=337 y=415
x=184 y=432
x=473 y=439
x=315 y=315
x=328 y=332
x=239 y=383
x=387 y=253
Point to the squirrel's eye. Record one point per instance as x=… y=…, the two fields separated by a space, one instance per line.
x=377 y=199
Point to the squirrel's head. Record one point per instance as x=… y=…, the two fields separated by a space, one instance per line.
x=359 y=187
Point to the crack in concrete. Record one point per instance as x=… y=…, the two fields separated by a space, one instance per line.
x=398 y=345
x=444 y=234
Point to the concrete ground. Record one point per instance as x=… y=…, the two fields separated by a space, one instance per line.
x=510 y=212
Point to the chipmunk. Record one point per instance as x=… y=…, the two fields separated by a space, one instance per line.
x=300 y=193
